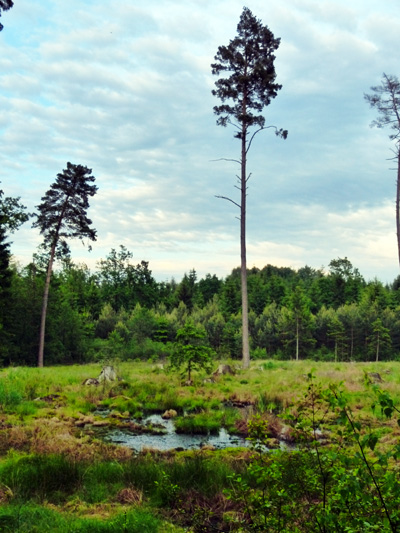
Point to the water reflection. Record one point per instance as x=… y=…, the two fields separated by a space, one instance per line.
x=170 y=440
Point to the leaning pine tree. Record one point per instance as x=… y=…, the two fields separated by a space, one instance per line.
x=62 y=215
x=249 y=87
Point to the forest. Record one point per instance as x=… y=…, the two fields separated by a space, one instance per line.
x=121 y=311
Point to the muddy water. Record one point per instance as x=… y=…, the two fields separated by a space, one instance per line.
x=169 y=439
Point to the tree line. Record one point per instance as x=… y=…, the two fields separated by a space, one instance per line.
x=121 y=311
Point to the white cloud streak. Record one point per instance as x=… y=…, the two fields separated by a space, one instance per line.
x=127 y=91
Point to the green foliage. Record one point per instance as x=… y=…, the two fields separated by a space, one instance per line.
x=10 y=395
x=167 y=493
x=190 y=352
x=201 y=423
x=249 y=58
x=291 y=314
x=100 y=481
x=350 y=484
x=62 y=213
x=40 y=477
x=31 y=518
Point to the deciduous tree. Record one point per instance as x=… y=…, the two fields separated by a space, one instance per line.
x=250 y=85
x=62 y=216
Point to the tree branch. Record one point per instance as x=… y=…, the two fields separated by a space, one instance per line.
x=226 y=159
x=228 y=199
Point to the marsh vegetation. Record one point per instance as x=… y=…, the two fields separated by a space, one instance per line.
x=57 y=474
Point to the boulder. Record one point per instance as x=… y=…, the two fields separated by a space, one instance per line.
x=170 y=413
x=108 y=373
x=374 y=377
x=223 y=369
x=91 y=381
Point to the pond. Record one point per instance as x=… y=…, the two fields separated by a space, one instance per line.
x=169 y=439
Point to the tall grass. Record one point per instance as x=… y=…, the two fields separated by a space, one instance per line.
x=101 y=481
x=40 y=477
x=32 y=518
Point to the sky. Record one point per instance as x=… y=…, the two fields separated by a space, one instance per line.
x=125 y=89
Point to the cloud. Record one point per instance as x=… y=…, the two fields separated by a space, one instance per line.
x=127 y=92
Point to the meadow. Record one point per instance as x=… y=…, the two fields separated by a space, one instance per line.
x=338 y=422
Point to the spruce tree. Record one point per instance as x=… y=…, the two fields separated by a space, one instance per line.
x=12 y=215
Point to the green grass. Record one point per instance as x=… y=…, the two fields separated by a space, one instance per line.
x=54 y=474
x=31 y=518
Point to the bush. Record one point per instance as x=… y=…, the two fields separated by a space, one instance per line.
x=352 y=481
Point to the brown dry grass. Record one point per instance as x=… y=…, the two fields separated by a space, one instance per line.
x=54 y=436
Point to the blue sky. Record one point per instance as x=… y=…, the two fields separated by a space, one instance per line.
x=125 y=88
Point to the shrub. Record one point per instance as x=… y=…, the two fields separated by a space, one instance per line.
x=352 y=481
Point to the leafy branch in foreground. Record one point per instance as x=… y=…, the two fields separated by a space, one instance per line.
x=342 y=477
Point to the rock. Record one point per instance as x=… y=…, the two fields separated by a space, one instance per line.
x=49 y=398
x=91 y=381
x=207 y=447
x=240 y=404
x=272 y=444
x=107 y=374
x=208 y=380
x=374 y=377
x=170 y=413
x=223 y=369
x=286 y=434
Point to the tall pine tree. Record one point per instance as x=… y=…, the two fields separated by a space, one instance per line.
x=249 y=87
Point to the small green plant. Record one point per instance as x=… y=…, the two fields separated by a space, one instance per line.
x=167 y=493
x=10 y=395
x=191 y=352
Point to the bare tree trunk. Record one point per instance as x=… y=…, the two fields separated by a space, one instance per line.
x=377 y=347
x=243 y=257
x=351 y=343
x=44 y=306
x=47 y=285
x=398 y=203
x=297 y=339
